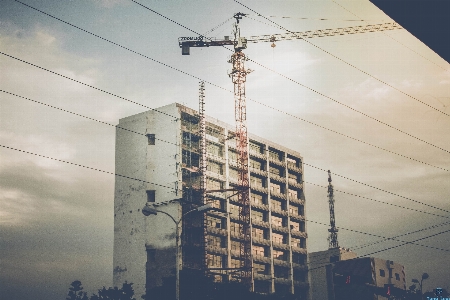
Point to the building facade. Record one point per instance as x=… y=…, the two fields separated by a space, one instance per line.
x=157 y=162
x=321 y=265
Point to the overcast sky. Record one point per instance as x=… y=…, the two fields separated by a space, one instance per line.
x=56 y=219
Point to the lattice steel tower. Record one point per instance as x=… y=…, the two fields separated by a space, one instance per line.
x=332 y=238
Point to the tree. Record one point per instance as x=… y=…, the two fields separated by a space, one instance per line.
x=124 y=293
x=76 y=291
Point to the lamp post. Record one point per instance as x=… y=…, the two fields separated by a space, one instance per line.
x=148 y=210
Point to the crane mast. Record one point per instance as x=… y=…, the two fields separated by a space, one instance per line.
x=332 y=239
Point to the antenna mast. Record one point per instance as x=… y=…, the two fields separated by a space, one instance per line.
x=332 y=239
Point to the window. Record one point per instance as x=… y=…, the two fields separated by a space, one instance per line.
x=214 y=167
x=274 y=155
x=151 y=197
x=260 y=268
x=277 y=221
x=258 y=251
x=295 y=226
x=298 y=258
x=151 y=138
x=276 y=204
x=278 y=238
x=151 y=255
x=256 y=181
x=258 y=233
x=232 y=155
x=275 y=188
x=213 y=222
x=293 y=194
x=212 y=184
x=258 y=216
x=278 y=254
x=214 y=149
x=275 y=171
x=255 y=147
x=215 y=241
x=255 y=164
x=397 y=276
x=234 y=210
x=235 y=245
x=257 y=199
x=234 y=228
x=233 y=173
x=293 y=161
x=382 y=273
x=235 y=263
x=214 y=261
x=293 y=210
x=295 y=242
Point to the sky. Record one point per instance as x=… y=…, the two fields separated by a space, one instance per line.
x=371 y=107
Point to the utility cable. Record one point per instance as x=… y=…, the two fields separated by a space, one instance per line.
x=387 y=203
x=90 y=168
x=311 y=89
x=359 y=182
x=154 y=60
x=80 y=115
x=393 y=38
x=142 y=134
x=347 y=63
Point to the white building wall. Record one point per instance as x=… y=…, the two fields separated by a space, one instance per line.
x=159 y=164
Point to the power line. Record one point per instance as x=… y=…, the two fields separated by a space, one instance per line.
x=356 y=181
x=142 y=134
x=347 y=63
x=392 y=37
x=80 y=115
x=298 y=83
x=404 y=234
x=90 y=168
x=145 y=56
x=387 y=203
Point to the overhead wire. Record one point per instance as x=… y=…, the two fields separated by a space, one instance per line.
x=343 y=7
x=342 y=60
x=250 y=99
x=164 y=64
x=309 y=88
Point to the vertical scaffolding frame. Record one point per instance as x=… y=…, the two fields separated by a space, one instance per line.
x=333 y=238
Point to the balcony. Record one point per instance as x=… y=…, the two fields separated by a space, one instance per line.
x=189 y=127
x=280 y=229
x=283 y=280
x=257 y=154
x=294 y=183
x=232 y=163
x=298 y=217
x=262 y=259
x=283 y=263
x=192 y=148
x=236 y=235
x=280 y=246
x=299 y=250
x=214 y=157
x=261 y=223
x=276 y=161
x=293 y=167
x=296 y=200
x=278 y=195
x=233 y=180
x=215 y=175
x=298 y=233
x=277 y=178
x=217 y=195
x=260 y=241
x=280 y=212
x=218 y=231
x=262 y=276
x=258 y=171
x=192 y=169
x=216 y=250
x=260 y=206
x=260 y=189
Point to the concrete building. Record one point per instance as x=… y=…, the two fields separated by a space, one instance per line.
x=337 y=274
x=321 y=271
x=160 y=148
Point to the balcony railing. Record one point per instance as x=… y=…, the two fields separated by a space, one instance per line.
x=278 y=195
x=299 y=250
x=279 y=211
x=280 y=228
x=259 y=189
x=262 y=259
x=276 y=161
x=298 y=233
x=280 y=246
x=279 y=262
x=277 y=178
x=258 y=171
x=217 y=250
x=218 y=231
x=296 y=200
x=298 y=217
x=283 y=280
x=293 y=167
x=257 y=154
x=294 y=183
x=260 y=241
x=260 y=206
x=261 y=223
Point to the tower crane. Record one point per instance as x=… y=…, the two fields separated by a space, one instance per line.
x=238 y=76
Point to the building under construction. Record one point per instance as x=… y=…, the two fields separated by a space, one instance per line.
x=159 y=156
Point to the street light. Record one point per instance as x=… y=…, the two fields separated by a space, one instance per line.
x=148 y=210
